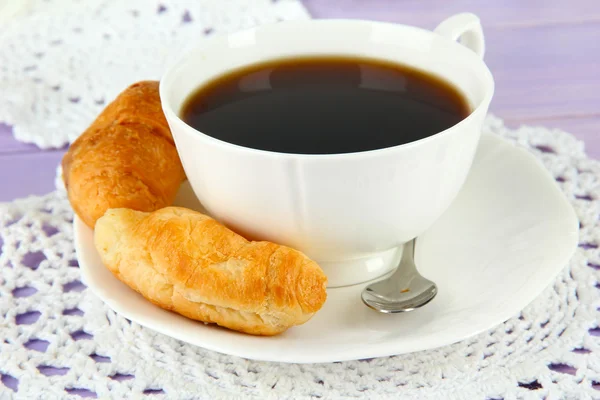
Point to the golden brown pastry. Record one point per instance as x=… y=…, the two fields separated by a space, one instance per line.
x=187 y=262
x=126 y=158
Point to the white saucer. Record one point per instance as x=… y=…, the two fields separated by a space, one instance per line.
x=506 y=236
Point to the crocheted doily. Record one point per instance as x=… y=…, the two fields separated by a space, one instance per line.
x=61 y=61
x=58 y=339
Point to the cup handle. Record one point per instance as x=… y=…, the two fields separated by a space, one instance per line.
x=464 y=28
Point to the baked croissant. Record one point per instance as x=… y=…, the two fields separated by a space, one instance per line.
x=187 y=262
x=126 y=158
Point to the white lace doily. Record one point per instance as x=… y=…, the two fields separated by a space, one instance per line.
x=58 y=338
x=61 y=61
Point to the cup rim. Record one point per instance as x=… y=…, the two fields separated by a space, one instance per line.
x=172 y=115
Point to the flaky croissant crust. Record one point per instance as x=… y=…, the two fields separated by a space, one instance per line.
x=189 y=263
x=126 y=158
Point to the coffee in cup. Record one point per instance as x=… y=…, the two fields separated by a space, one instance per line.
x=324 y=105
x=393 y=117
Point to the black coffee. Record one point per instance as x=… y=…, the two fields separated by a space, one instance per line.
x=324 y=105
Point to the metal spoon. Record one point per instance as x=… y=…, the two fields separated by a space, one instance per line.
x=404 y=290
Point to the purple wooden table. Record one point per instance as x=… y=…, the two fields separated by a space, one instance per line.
x=544 y=55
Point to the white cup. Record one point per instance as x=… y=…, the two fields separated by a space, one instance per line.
x=349 y=212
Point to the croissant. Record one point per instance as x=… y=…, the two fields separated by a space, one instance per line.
x=187 y=262
x=126 y=158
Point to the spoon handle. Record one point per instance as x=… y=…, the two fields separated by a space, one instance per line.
x=402 y=278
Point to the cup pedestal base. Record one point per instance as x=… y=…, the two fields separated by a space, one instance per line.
x=359 y=270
